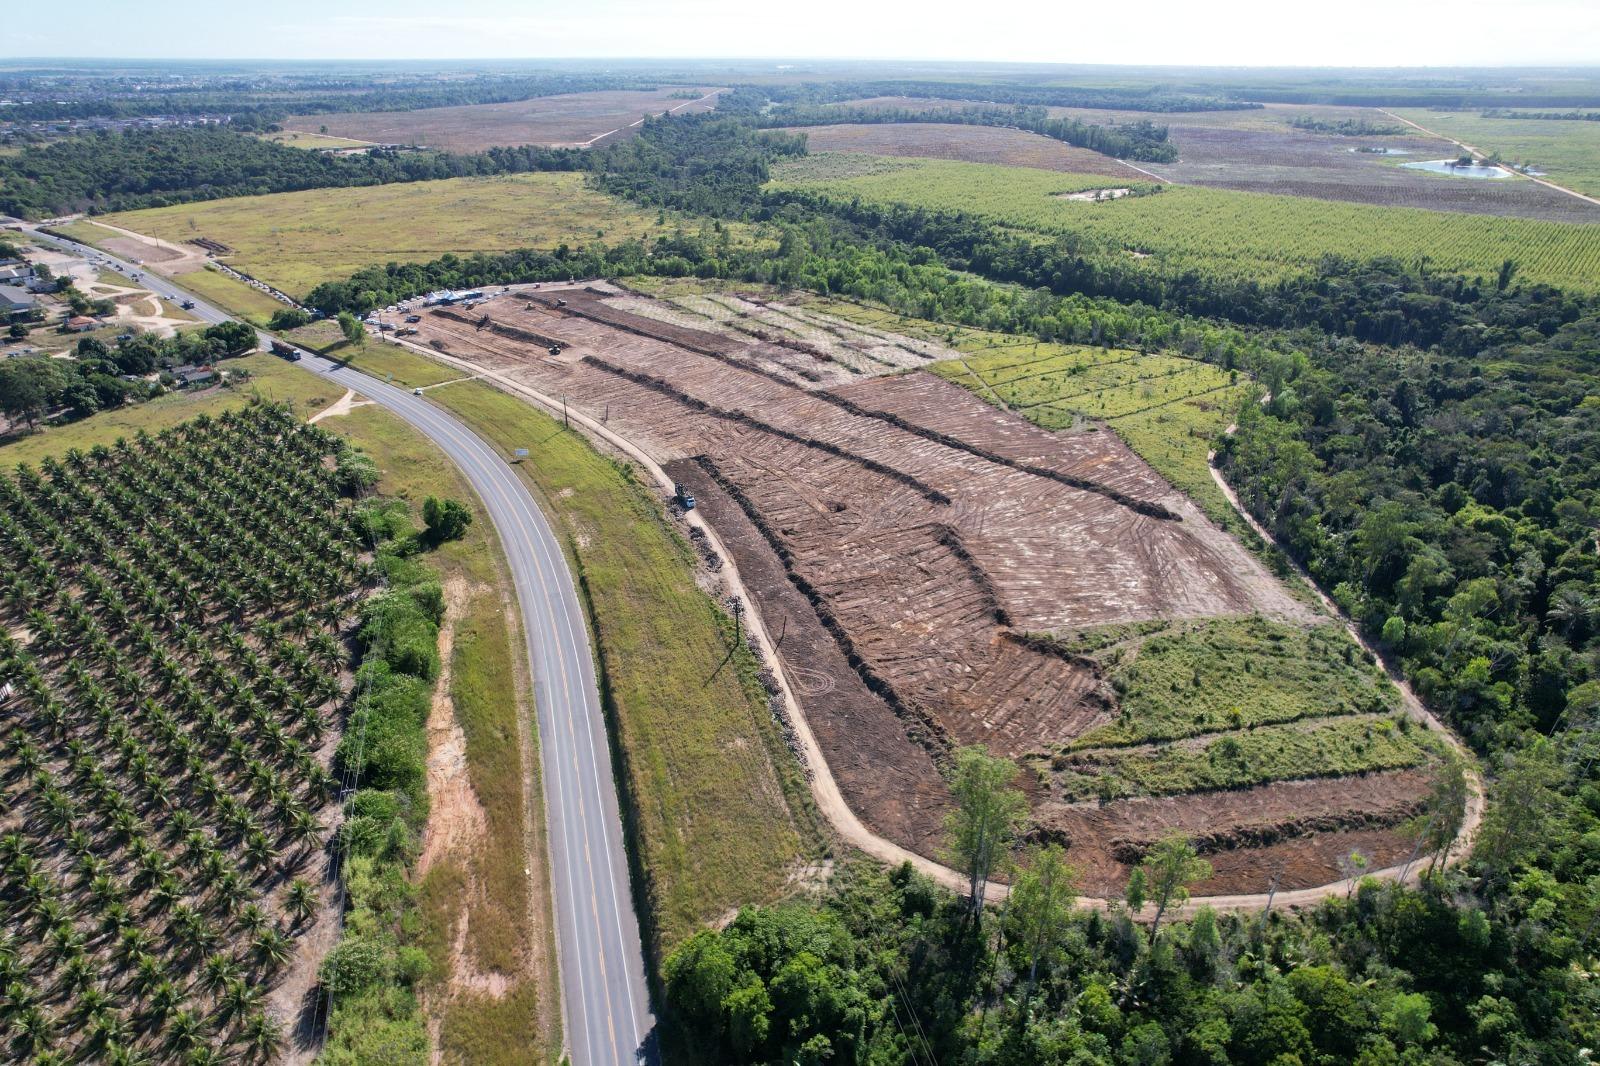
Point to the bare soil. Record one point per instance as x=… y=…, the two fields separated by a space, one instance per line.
x=973 y=144
x=901 y=538
x=567 y=120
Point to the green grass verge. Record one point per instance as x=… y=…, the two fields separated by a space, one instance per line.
x=486 y=888
x=718 y=811
x=406 y=367
x=231 y=294
x=1218 y=230
x=270 y=377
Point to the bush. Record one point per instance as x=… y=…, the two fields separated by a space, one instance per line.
x=445 y=520
x=289 y=318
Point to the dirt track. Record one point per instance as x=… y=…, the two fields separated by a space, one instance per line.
x=918 y=617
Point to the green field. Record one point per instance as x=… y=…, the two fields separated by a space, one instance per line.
x=302 y=139
x=1218 y=230
x=296 y=240
x=720 y=812
x=270 y=377
x=1334 y=747
x=393 y=363
x=1568 y=152
x=1177 y=679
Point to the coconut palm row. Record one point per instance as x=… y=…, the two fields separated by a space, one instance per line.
x=173 y=616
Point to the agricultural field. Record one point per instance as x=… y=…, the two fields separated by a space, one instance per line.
x=569 y=120
x=177 y=616
x=975 y=144
x=1568 y=152
x=296 y=240
x=1262 y=151
x=1256 y=234
x=921 y=622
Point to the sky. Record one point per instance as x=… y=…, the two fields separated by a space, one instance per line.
x=1185 y=32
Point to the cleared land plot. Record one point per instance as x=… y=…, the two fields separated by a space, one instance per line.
x=297 y=240
x=1259 y=150
x=570 y=119
x=1218 y=229
x=1567 y=151
x=975 y=144
x=911 y=542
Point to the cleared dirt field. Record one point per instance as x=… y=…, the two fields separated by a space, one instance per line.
x=975 y=144
x=567 y=120
x=913 y=550
x=1258 y=150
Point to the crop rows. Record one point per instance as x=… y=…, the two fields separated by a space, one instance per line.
x=173 y=650
x=1223 y=231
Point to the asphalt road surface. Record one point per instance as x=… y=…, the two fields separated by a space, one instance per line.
x=607 y=1004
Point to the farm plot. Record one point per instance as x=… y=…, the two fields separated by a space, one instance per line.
x=566 y=120
x=1253 y=234
x=176 y=614
x=1567 y=151
x=975 y=144
x=915 y=547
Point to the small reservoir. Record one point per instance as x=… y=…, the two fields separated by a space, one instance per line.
x=1450 y=167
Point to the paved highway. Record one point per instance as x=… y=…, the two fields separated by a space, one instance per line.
x=607 y=1004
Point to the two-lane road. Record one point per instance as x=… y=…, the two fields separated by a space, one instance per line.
x=606 y=1001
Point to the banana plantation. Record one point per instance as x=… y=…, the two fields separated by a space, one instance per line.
x=175 y=617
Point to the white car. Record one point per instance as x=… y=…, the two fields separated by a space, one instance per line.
x=416 y=392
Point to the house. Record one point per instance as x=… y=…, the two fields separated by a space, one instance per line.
x=14 y=272
x=189 y=376
x=81 y=324
x=15 y=301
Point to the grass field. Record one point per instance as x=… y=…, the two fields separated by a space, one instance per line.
x=296 y=240
x=1568 y=152
x=1177 y=679
x=231 y=294
x=270 y=377
x=383 y=360
x=1332 y=747
x=719 y=811
x=1182 y=227
x=304 y=139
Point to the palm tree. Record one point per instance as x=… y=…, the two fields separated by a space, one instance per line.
x=263 y=1035
x=34 y=1029
x=218 y=971
x=185 y=1028
x=270 y=948
x=301 y=901
x=240 y=997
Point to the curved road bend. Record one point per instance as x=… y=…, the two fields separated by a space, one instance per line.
x=607 y=1004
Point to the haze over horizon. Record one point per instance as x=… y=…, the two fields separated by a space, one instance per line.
x=1366 y=33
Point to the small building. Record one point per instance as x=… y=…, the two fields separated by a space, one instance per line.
x=14 y=272
x=15 y=300
x=82 y=324
x=190 y=376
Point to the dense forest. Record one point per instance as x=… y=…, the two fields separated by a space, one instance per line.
x=1143 y=141
x=155 y=168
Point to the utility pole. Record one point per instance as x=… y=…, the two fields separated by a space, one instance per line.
x=564 y=424
x=738 y=615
